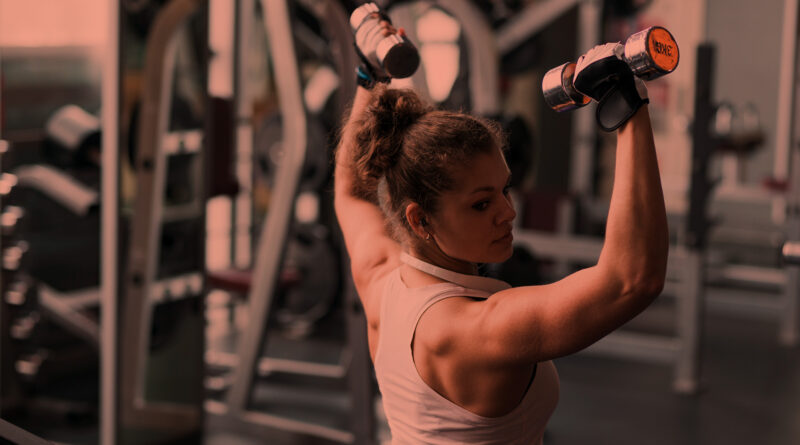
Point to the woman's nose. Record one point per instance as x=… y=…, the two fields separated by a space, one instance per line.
x=508 y=212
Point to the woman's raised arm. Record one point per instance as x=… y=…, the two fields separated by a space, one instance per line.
x=372 y=252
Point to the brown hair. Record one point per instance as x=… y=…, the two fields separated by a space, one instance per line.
x=405 y=151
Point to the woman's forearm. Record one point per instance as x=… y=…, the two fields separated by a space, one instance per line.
x=637 y=238
x=343 y=174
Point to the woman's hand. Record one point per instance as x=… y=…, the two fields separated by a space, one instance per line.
x=388 y=29
x=603 y=75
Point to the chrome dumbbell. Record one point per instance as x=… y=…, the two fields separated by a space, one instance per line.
x=395 y=55
x=650 y=54
x=791 y=253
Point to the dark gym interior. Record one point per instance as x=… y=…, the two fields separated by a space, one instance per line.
x=173 y=271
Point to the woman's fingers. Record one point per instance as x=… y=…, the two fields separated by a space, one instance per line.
x=388 y=29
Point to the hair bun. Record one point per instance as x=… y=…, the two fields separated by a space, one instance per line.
x=389 y=115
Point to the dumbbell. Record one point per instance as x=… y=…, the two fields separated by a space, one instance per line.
x=394 y=54
x=9 y=220
x=791 y=252
x=73 y=137
x=650 y=53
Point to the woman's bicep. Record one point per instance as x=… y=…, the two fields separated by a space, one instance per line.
x=537 y=323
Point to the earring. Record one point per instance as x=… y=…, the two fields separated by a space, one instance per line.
x=428 y=238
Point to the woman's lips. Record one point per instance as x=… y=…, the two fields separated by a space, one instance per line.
x=505 y=238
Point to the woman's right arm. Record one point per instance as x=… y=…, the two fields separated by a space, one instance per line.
x=372 y=252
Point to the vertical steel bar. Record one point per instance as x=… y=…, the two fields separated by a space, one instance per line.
x=787 y=150
x=109 y=230
x=276 y=226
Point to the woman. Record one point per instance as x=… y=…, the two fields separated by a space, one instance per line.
x=422 y=197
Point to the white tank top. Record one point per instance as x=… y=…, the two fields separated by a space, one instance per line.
x=419 y=415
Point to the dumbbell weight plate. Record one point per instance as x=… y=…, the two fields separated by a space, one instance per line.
x=652 y=53
x=72 y=134
x=559 y=93
x=311 y=272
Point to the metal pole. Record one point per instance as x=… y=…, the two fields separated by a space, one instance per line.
x=276 y=226
x=690 y=301
x=109 y=264
x=689 y=323
x=243 y=127
x=789 y=329
x=143 y=255
x=583 y=125
x=786 y=151
x=786 y=89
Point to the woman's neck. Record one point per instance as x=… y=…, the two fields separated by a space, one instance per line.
x=433 y=254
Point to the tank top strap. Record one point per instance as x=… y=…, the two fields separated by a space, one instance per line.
x=486 y=284
x=448 y=292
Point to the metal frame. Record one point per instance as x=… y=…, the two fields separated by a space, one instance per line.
x=790 y=139
x=786 y=306
x=584 y=134
x=235 y=412
x=109 y=263
x=242 y=205
x=66 y=308
x=151 y=161
x=787 y=81
x=276 y=227
x=248 y=363
x=484 y=57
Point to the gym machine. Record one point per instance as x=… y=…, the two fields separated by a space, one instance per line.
x=730 y=286
x=261 y=381
x=150 y=317
x=143 y=399
x=13 y=294
x=47 y=347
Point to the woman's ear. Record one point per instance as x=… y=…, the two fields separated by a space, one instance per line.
x=416 y=220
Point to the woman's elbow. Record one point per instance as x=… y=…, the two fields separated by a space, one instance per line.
x=646 y=288
x=653 y=287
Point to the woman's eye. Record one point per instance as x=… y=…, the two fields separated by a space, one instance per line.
x=483 y=205
x=506 y=189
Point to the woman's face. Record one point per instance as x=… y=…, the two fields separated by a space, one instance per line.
x=475 y=218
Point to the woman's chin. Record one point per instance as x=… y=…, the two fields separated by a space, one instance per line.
x=501 y=256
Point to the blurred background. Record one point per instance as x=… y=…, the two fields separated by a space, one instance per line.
x=172 y=270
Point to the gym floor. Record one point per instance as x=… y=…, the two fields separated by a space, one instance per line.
x=750 y=394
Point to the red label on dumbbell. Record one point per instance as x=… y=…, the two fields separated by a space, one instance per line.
x=663 y=49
